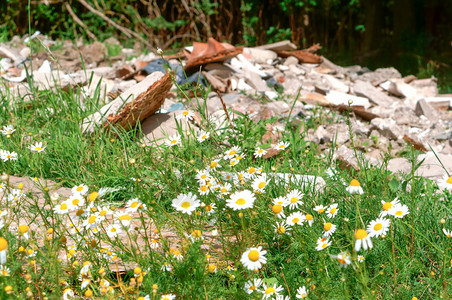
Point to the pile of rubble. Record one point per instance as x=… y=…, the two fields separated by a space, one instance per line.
x=388 y=111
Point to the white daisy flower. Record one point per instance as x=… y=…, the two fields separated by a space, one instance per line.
x=225 y=188
x=186 y=203
x=270 y=291
x=6 y=155
x=355 y=187
x=360 y=258
x=241 y=200
x=187 y=115
x=281 y=145
x=399 y=211
x=252 y=285
x=329 y=229
x=113 y=230
x=202 y=136
x=320 y=208
x=75 y=201
x=8 y=130
x=254 y=258
x=386 y=206
x=332 y=210
x=378 y=227
x=295 y=218
x=308 y=218
x=282 y=228
x=173 y=140
x=168 y=297
x=362 y=239
x=294 y=199
x=80 y=189
x=62 y=208
x=133 y=205
x=448 y=233
x=214 y=164
x=322 y=243
x=259 y=184
x=234 y=161
x=37 y=147
x=445 y=183
x=343 y=259
x=259 y=152
x=278 y=210
x=231 y=153
x=302 y=293
x=155 y=244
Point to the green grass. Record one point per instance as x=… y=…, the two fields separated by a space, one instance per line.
x=412 y=260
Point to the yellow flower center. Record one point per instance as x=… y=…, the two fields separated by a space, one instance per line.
x=387 y=206
x=355 y=182
x=103 y=213
x=213 y=164
x=277 y=209
x=185 y=113
x=63 y=206
x=260 y=151
x=270 y=290
x=92 y=219
x=38 y=148
x=134 y=204
x=324 y=245
x=251 y=170
x=253 y=255
x=252 y=288
x=212 y=268
x=321 y=210
x=3 y=244
x=449 y=180
x=293 y=200
x=240 y=201
x=341 y=260
x=173 y=142
x=79 y=189
x=185 y=205
x=360 y=234
x=378 y=226
x=295 y=220
x=399 y=213
x=232 y=152
x=125 y=217
x=224 y=190
x=261 y=185
x=197 y=233
x=208 y=207
x=281 y=229
x=333 y=210
x=75 y=201
x=309 y=217
x=327 y=226
x=23 y=228
x=203 y=176
x=203 y=188
x=203 y=137
x=93 y=196
x=113 y=229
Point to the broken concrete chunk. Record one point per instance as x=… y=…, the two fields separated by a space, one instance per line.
x=440 y=103
x=338 y=98
x=376 y=96
x=291 y=60
x=423 y=108
x=259 y=56
x=158 y=127
x=279 y=46
x=387 y=128
x=132 y=106
x=380 y=75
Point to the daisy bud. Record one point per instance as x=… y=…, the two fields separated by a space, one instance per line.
x=4 y=177
x=20 y=186
x=443 y=221
x=159 y=51
x=137 y=271
x=9 y=289
x=240 y=215
x=143 y=145
x=88 y=293
x=132 y=161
